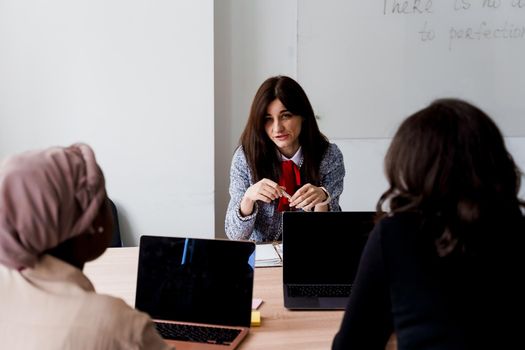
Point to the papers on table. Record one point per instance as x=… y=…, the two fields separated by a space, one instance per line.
x=268 y=254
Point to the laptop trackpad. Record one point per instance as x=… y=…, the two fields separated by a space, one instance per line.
x=316 y=303
x=301 y=303
x=332 y=303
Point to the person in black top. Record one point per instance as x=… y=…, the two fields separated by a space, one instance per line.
x=443 y=268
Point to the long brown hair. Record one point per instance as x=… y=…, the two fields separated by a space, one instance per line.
x=260 y=151
x=449 y=161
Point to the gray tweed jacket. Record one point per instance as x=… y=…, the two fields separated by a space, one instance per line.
x=265 y=223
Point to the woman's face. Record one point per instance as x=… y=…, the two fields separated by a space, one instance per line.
x=283 y=128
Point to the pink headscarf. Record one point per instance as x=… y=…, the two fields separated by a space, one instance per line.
x=47 y=197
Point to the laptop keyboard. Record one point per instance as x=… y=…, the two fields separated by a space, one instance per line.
x=330 y=291
x=199 y=334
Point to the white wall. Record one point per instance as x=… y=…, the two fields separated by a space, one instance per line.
x=132 y=78
x=257 y=39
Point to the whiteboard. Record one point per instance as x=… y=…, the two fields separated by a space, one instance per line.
x=366 y=65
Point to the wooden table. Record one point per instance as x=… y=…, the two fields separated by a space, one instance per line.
x=115 y=273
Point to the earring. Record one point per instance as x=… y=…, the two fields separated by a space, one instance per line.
x=100 y=229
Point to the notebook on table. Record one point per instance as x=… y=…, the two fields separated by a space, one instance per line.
x=321 y=253
x=198 y=291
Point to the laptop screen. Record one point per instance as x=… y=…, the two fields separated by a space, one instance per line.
x=196 y=280
x=323 y=247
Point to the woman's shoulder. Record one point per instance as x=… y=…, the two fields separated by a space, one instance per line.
x=116 y=309
x=239 y=151
x=239 y=166
x=333 y=151
x=332 y=155
x=117 y=306
x=393 y=223
x=239 y=156
x=121 y=322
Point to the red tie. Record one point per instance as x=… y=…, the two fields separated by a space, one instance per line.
x=291 y=180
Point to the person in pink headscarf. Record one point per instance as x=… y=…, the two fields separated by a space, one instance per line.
x=54 y=217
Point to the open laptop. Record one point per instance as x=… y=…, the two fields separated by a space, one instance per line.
x=198 y=291
x=321 y=252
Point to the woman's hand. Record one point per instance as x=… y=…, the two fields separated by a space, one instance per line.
x=265 y=190
x=308 y=197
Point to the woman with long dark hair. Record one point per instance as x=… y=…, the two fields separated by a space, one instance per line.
x=283 y=163
x=441 y=268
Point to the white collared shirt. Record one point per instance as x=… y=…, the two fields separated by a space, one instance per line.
x=297 y=158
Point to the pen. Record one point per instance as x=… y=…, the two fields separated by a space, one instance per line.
x=286 y=195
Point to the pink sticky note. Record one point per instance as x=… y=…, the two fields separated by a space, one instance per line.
x=256 y=303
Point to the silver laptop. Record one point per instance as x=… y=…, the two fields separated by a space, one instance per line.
x=198 y=291
x=321 y=252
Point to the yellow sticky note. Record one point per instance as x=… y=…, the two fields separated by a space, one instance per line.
x=256 y=318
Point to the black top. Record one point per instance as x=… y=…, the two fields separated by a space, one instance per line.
x=461 y=301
